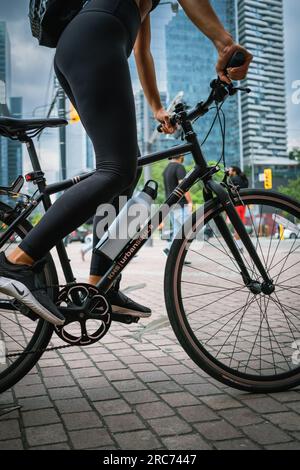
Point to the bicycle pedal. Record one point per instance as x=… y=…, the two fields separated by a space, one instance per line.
x=121 y=318
x=24 y=310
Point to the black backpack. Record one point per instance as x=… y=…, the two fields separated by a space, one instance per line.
x=48 y=18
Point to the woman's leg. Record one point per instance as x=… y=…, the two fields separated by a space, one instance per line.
x=99 y=79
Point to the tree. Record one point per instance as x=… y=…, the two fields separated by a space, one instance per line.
x=292 y=189
x=295 y=154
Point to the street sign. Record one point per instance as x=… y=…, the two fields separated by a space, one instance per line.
x=268 y=179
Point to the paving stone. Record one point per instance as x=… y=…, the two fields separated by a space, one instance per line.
x=175 y=369
x=59 y=381
x=90 y=438
x=124 y=422
x=73 y=405
x=165 y=387
x=40 y=417
x=49 y=434
x=241 y=416
x=157 y=409
x=12 y=444
x=55 y=371
x=43 y=362
x=86 y=372
x=60 y=446
x=197 y=413
x=142 y=396
x=122 y=374
x=138 y=440
x=180 y=399
x=34 y=403
x=283 y=397
x=286 y=446
x=237 y=444
x=9 y=429
x=6 y=398
x=112 y=407
x=83 y=420
x=31 y=379
x=155 y=376
x=221 y=402
x=265 y=405
x=64 y=393
x=129 y=385
x=169 y=426
x=266 y=434
x=217 y=430
x=143 y=367
x=289 y=421
x=83 y=364
x=186 y=442
x=105 y=393
x=203 y=389
x=23 y=391
x=189 y=379
x=93 y=382
x=111 y=365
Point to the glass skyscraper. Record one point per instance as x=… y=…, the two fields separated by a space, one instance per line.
x=159 y=19
x=4 y=90
x=10 y=151
x=14 y=150
x=264 y=122
x=191 y=60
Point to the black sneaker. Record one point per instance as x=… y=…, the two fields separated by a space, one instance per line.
x=18 y=281
x=122 y=304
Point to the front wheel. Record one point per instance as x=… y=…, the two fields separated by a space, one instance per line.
x=245 y=340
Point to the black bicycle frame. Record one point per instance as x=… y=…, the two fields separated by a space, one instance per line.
x=201 y=172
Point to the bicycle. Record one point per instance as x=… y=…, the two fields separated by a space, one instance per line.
x=235 y=312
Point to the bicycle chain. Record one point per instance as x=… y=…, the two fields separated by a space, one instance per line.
x=54 y=348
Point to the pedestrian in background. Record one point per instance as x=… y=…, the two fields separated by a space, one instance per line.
x=173 y=174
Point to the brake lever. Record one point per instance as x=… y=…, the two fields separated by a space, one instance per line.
x=234 y=90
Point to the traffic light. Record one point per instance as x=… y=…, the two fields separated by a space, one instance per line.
x=73 y=115
x=268 y=179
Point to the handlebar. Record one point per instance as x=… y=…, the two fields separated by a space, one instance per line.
x=220 y=91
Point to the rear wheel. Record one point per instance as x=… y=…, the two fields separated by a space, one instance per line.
x=250 y=342
x=18 y=333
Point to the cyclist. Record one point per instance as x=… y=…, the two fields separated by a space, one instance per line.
x=91 y=63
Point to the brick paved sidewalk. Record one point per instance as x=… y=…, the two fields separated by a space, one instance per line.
x=127 y=394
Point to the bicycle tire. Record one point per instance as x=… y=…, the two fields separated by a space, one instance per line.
x=43 y=332
x=178 y=320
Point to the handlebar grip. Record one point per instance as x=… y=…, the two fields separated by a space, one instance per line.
x=172 y=121
x=237 y=60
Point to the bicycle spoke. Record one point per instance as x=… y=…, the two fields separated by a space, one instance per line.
x=215 y=275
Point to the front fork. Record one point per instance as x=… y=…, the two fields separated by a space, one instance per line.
x=267 y=286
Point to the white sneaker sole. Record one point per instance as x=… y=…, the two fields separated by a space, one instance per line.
x=20 y=292
x=132 y=313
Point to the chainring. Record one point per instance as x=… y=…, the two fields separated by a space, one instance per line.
x=83 y=326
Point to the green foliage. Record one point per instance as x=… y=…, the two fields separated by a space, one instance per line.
x=295 y=154
x=35 y=218
x=157 y=170
x=292 y=189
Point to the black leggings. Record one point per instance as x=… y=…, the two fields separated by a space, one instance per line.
x=92 y=67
